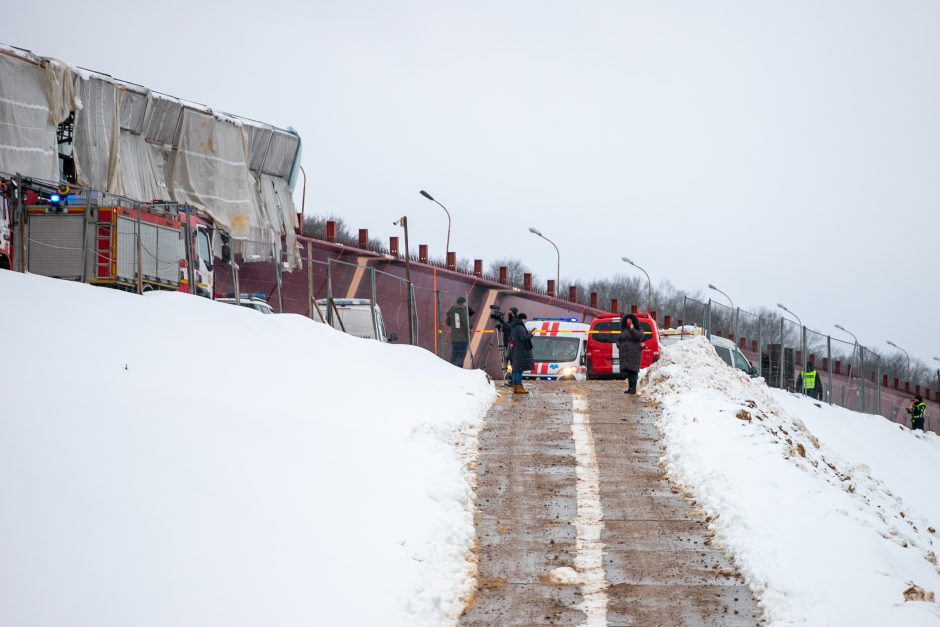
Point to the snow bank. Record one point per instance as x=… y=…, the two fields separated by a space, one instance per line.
x=167 y=460
x=830 y=514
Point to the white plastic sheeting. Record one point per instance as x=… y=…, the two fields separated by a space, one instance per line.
x=147 y=146
x=27 y=130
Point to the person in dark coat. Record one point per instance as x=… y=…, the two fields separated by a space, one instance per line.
x=630 y=345
x=458 y=319
x=520 y=343
x=917 y=410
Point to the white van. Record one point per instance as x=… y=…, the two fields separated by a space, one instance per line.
x=559 y=346
x=730 y=354
x=354 y=316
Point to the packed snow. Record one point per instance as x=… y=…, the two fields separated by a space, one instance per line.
x=168 y=460
x=830 y=514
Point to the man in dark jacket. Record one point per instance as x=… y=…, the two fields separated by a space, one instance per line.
x=458 y=319
x=630 y=346
x=520 y=344
x=918 y=411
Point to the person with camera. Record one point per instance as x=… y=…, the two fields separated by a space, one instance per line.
x=917 y=411
x=630 y=346
x=520 y=345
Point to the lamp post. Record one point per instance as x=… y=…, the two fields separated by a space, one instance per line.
x=802 y=336
x=303 y=200
x=938 y=378
x=431 y=198
x=890 y=343
x=734 y=313
x=534 y=230
x=649 y=285
x=861 y=377
x=403 y=221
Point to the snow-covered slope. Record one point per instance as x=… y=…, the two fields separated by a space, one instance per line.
x=167 y=460
x=830 y=514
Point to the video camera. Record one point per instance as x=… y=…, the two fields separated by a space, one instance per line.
x=496 y=313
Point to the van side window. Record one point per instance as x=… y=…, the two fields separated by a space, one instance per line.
x=740 y=362
x=725 y=355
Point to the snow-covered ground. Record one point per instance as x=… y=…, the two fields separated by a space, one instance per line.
x=830 y=514
x=167 y=460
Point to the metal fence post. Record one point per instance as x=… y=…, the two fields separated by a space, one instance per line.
x=861 y=380
x=780 y=373
x=760 y=347
x=310 y=294
x=188 y=231
x=329 y=291
x=829 y=361
x=139 y=261
x=466 y=305
x=372 y=297
x=685 y=320
x=20 y=215
x=278 y=277
x=412 y=316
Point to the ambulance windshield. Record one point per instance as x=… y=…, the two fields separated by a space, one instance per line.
x=554 y=349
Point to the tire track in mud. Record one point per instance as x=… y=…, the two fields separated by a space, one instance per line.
x=658 y=566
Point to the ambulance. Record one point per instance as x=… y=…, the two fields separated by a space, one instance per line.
x=558 y=349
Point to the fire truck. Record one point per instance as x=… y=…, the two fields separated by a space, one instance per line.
x=105 y=239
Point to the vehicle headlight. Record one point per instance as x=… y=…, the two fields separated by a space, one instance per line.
x=509 y=368
x=567 y=370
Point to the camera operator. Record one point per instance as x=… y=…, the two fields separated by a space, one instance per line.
x=503 y=328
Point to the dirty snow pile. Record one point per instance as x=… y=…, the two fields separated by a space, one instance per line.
x=830 y=514
x=168 y=460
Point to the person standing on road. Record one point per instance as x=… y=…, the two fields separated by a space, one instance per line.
x=458 y=319
x=811 y=386
x=630 y=346
x=520 y=344
x=918 y=411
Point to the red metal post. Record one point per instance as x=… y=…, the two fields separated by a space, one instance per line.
x=753 y=346
x=884 y=380
x=742 y=343
x=667 y=322
x=364 y=239
x=594 y=300
x=451 y=260
x=393 y=245
x=478 y=268
x=551 y=287
x=331 y=231
x=653 y=316
x=634 y=309
x=615 y=305
x=527 y=281
x=837 y=367
x=423 y=253
x=573 y=293
x=504 y=275
x=897 y=383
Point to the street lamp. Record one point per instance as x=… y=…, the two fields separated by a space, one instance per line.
x=447 y=247
x=890 y=343
x=534 y=230
x=802 y=335
x=649 y=285
x=734 y=313
x=854 y=348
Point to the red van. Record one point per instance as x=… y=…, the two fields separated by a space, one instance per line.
x=603 y=358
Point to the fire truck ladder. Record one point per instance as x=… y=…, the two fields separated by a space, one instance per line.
x=103 y=238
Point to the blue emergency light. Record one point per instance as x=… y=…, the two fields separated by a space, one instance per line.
x=55 y=198
x=555 y=320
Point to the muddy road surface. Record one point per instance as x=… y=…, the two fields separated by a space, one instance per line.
x=577 y=523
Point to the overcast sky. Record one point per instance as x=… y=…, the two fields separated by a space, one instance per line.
x=786 y=152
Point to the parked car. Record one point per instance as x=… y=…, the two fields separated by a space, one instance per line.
x=731 y=355
x=355 y=317
x=603 y=358
x=251 y=301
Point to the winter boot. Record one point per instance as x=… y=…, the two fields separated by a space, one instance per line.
x=518 y=389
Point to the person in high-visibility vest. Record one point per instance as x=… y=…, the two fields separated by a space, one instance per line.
x=918 y=411
x=812 y=386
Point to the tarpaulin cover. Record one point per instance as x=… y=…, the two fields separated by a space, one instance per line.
x=146 y=146
x=27 y=130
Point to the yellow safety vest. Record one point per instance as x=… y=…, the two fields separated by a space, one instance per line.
x=809 y=380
